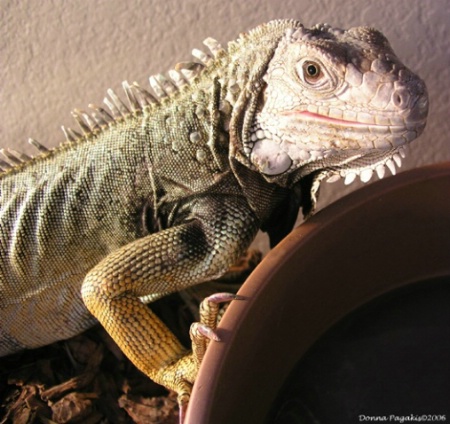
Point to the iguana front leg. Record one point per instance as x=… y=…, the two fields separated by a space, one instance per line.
x=202 y=248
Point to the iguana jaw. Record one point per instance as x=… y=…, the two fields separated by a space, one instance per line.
x=349 y=165
x=340 y=148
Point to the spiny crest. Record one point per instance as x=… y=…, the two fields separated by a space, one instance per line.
x=15 y=158
x=139 y=98
x=116 y=110
x=269 y=27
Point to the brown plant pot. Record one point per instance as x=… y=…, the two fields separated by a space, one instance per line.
x=391 y=234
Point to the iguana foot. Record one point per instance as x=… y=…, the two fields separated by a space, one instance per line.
x=201 y=333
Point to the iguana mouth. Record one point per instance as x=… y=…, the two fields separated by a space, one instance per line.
x=307 y=116
x=315 y=117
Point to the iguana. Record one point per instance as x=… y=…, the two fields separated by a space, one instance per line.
x=170 y=189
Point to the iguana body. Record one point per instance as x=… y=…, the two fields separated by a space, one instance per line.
x=168 y=193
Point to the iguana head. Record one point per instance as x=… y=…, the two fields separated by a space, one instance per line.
x=338 y=103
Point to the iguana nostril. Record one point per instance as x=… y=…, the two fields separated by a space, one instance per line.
x=401 y=98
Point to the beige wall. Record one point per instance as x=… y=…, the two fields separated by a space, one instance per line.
x=56 y=55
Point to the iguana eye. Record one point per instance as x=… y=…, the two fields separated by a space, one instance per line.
x=315 y=76
x=311 y=71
